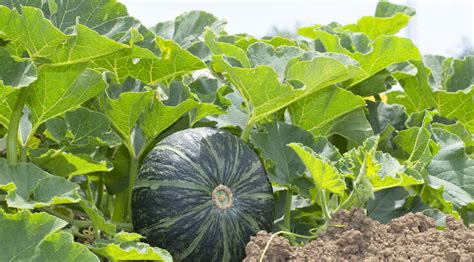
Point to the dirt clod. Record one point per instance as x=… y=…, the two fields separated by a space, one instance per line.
x=413 y=237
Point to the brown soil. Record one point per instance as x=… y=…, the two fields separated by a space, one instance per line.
x=412 y=237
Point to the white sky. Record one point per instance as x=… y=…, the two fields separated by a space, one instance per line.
x=440 y=27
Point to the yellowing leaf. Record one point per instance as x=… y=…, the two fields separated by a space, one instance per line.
x=325 y=176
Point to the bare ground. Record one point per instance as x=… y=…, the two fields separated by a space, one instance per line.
x=413 y=237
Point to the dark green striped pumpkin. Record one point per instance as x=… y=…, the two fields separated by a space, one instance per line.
x=201 y=193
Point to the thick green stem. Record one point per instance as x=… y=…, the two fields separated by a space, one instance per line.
x=348 y=202
x=246 y=132
x=324 y=204
x=89 y=193
x=287 y=215
x=84 y=223
x=14 y=126
x=31 y=134
x=120 y=206
x=78 y=223
x=100 y=191
x=23 y=153
x=123 y=199
x=134 y=168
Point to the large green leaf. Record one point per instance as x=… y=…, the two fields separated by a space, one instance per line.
x=21 y=233
x=61 y=247
x=19 y=3
x=434 y=196
x=395 y=202
x=388 y=204
x=98 y=219
x=266 y=94
x=152 y=116
x=61 y=89
x=187 y=28
x=414 y=144
x=235 y=115
x=331 y=111
x=439 y=68
x=158 y=116
x=8 y=98
x=374 y=27
x=382 y=115
x=419 y=96
x=16 y=73
x=384 y=51
x=226 y=49
x=86 y=45
x=24 y=31
x=374 y=85
x=461 y=131
x=30 y=187
x=459 y=106
x=462 y=76
x=284 y=167
x=50 y=44
x=265 y=54
x=452 y=169
x=95 y=14
x=325 y=175
x=86 y=125
x=380 y=169
x=107 y=17
x=13 y=75
x=81 y=128
x=387 y=9
x=125 y=111
x=66 y=164
x=65 y=14
x=145 y=66
x=125 y=246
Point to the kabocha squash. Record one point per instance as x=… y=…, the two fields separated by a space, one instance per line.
x=201 y=193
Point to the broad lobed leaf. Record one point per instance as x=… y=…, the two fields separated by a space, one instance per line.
x=30 y=187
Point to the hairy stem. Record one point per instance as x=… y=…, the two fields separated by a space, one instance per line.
x=14 y=126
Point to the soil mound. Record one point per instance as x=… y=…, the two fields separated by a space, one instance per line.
x=413 y=237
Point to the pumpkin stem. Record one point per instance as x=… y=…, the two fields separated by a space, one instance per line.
x=14 y=126
x=246 y=132
x=222 y=197
x=134 y=168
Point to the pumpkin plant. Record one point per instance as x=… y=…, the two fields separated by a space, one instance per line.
x=119 y=141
